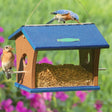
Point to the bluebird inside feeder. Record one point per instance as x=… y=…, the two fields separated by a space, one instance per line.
x=48 y=78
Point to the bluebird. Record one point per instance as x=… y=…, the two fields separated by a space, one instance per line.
x=7 y=60
x=64 y=15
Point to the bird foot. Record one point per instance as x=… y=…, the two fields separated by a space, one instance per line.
x=81 y=23
x=10 y=71
x=8 y=75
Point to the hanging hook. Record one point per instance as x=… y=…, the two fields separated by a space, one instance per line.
x=32 y=12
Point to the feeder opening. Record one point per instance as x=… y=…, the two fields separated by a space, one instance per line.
x=25 y=59
x=66 y=73
x=88 y=58
x=22 y=65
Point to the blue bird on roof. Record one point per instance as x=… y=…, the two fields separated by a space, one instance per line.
x=64 y=15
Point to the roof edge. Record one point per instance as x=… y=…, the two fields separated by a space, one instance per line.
x=14 y=35
x=58 y=24
x=27 y=36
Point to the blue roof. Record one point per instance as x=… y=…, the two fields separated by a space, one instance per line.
x=44 y=37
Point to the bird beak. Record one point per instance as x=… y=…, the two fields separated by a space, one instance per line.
x=12 y=49
x=78 y=22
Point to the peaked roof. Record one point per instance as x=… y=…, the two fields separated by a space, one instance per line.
x=44 y=37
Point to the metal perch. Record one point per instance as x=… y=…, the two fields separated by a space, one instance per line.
x=16 y=72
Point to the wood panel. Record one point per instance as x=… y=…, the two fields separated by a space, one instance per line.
x=92 y=64
x=23 y=48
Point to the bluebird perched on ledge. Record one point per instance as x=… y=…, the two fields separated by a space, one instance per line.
x=7 y=60
x=64 y=15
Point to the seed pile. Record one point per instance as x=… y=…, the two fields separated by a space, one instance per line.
x=62 y=75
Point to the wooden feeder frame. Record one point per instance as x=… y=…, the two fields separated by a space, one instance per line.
x=24 y=47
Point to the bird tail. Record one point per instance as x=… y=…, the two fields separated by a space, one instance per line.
x=53 y=13
x=50 y=21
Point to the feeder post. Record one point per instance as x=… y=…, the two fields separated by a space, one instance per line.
x=89 y=59
x=95 y=57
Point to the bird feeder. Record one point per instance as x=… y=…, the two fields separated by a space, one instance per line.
x=51 y=78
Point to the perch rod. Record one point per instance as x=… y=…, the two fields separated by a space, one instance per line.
x=11 y=72
x=102 y=68
x=17 y=72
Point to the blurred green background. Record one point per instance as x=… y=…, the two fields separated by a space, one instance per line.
x=14 y=13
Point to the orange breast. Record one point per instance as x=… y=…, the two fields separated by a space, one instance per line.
x=67 y=17
x=7 y=57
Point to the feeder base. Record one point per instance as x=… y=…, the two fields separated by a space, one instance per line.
x=55 y=89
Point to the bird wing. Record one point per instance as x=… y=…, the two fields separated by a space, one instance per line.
x=1 y=56
x=60 y=12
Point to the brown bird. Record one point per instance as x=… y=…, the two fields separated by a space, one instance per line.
x=7 y=60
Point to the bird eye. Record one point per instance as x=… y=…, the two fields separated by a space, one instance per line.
x=6 y=47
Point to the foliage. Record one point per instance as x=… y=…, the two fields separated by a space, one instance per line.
x=14 y=14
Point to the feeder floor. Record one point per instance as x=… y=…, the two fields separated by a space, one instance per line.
x=67 y=75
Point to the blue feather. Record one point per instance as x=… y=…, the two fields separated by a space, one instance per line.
x=61 y=12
